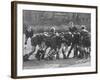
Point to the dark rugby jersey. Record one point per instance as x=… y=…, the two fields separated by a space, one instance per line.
x=29 y=33
x=73 y=29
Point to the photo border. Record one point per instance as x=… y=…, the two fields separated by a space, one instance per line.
x=14 y=37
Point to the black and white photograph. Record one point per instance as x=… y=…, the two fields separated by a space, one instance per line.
x=54 y=39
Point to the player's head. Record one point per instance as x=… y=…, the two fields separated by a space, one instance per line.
x=83 y=27
x=29 y=28
x=52 y=29
x=71 y=23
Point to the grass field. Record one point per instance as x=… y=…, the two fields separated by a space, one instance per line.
x=34 y=64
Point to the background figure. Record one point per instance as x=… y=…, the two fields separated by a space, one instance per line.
x=28 y=33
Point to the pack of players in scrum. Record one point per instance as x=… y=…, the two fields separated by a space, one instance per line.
x=78 y=40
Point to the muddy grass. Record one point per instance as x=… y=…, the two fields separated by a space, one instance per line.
x=34 y=64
